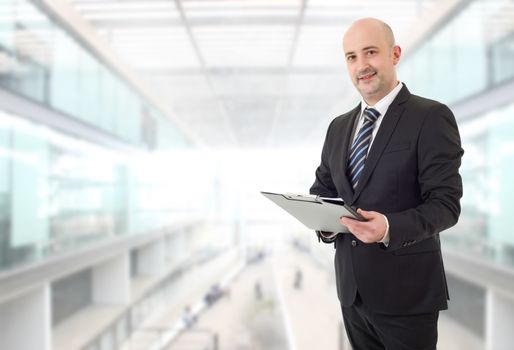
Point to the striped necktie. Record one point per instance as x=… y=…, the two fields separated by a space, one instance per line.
x=360 y=146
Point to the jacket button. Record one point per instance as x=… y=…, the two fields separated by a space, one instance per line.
x=354 y=243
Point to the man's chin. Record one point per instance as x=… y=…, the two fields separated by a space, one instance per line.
x=367 y=91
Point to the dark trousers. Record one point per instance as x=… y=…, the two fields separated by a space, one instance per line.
x=367 y=330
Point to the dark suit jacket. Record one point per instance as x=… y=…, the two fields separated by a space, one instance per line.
x=411 y=176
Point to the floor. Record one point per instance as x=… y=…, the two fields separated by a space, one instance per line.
x=286 y=302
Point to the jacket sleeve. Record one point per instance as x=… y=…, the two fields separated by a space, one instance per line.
x=439 y=155
x=324 y=185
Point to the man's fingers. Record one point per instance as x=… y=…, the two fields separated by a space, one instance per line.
x=353 y=225
x=368 y=215
x=368 y=231
x=358 y=227
x=346 y=221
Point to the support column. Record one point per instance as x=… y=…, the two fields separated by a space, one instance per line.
x=111 y=281
x=499 y=321
x=151 y=259
x=175 y=246
x=25 y=321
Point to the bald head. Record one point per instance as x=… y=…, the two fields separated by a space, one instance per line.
x=377 y=26
x=371 y=56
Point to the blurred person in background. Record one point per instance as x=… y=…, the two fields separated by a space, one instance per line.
x=396 y=157
x=298 y=279
x=188 y=318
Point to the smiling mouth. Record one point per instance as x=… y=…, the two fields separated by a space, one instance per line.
x=366 y=77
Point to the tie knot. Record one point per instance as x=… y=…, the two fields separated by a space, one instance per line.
x=371 y=114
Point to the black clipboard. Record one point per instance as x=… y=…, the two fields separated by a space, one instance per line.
x=315 y=212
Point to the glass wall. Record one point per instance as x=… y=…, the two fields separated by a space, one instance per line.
x=486 y=223
x=468 y=56
x=42 y=61
x=58 y=192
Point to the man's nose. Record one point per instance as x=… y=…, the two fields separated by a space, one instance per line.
x=362 y=64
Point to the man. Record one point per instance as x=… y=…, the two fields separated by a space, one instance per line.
x=396 y=157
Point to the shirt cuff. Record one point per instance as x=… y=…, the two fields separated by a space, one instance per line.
x=327 y=236
x=385 y=239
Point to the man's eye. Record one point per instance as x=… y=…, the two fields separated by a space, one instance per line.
x=350 y=58
x=371 y=52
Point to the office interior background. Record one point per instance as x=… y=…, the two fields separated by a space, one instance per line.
x=135 y=136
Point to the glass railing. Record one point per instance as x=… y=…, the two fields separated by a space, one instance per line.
x=42 y=61
x=485 y=226
x=471 y=54
x=468 y=55
x=58 y=192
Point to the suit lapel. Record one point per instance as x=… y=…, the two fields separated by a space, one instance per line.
x=382 y=138
x=345 y=146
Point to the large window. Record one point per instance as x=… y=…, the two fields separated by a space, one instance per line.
x=466 y=56
x=42 y=61
x=469 y=55
x=485 y=226
x=58 y=192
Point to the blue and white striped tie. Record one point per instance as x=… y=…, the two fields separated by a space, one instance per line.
x=360 y=146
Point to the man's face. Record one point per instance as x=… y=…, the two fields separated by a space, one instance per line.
x=371 y=59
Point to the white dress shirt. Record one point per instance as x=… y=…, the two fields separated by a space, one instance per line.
x=381 y=106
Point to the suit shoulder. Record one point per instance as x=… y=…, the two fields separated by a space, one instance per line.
x=425 y=103
x=343 y=118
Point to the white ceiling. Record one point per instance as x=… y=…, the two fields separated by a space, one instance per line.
x=245 y=73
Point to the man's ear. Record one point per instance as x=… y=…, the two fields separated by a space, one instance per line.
x=397 y=52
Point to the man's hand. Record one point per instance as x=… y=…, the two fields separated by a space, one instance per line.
x=370 y=231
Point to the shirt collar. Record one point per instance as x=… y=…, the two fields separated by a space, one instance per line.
x=383 y=105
